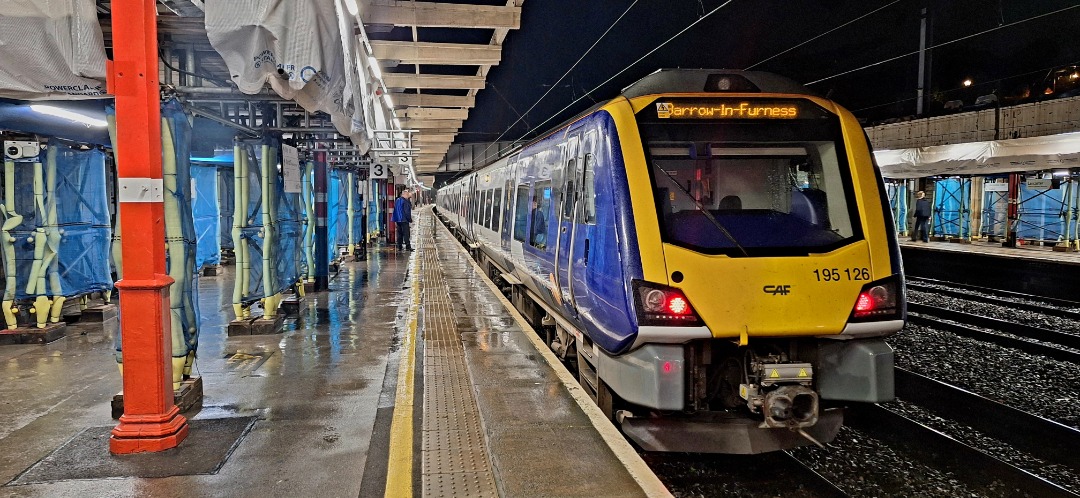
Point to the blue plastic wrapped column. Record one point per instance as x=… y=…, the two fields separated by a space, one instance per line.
x=322 y=256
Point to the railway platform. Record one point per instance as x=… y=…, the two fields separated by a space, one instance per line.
x=1036 y=270
x=410 y=376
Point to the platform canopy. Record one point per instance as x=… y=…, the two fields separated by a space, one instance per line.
x=433 y=84
x=369 y=72
x=982 y=158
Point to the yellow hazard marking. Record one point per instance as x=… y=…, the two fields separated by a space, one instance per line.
x=802 y=373
x=774 y=374
x=399 y=470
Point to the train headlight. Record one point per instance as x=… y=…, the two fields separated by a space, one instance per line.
x=878 y=301
x=653 y=300
x=662 y=305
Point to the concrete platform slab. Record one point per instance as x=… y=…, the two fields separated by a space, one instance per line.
x=208 y=446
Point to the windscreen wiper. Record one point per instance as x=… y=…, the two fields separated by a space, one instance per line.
x=701 y=208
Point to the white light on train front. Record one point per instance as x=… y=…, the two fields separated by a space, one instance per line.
x=654 y=300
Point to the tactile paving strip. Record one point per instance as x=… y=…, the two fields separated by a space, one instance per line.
x=454 y=459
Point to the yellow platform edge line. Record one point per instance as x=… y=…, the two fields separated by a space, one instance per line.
x=399 y=469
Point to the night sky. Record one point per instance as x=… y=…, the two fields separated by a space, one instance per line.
x=555 y=33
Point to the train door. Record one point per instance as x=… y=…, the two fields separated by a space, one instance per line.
x=584 y=228
x=508 y=205
x=565 y=214
x=474 y=206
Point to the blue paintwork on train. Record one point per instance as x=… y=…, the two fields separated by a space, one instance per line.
x=603 y=301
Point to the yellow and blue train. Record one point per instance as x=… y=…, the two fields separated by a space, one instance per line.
x=712 y=249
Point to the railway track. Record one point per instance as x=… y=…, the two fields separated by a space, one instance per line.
x=935 y=448
x=1017 y=300
x=1038 y=436
x=1034 y=340
x=1045 y=447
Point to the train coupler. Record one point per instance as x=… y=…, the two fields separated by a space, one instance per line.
x=782 y=394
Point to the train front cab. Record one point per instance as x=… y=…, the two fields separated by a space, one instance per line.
x=770 y=273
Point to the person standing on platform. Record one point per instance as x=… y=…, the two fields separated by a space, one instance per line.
x=403 y=217
x=922 y=218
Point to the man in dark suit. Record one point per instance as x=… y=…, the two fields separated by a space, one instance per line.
x=922 y=218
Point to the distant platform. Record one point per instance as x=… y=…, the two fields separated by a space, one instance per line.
x=1034 y=252
x=1030 y=269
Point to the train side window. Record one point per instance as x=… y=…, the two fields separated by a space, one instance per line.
x=542 y=210
x=476 y=206
x=496 y=210
x=482 y=215
x=521 y=213
x=588 y=196
x=488 y=204
x=570 y=193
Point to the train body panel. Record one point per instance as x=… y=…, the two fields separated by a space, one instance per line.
x=772 y=297
x=703 y=250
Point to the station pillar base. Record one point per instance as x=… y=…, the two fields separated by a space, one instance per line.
x=257 y=326
x=293 y=305
x=33 y=335
x=148 y=433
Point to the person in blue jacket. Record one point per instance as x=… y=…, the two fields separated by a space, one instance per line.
x=403 y=217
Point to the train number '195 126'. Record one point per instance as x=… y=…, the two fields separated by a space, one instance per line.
x=837 y=274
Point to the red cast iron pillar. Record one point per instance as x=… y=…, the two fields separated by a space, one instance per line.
x=150 y=422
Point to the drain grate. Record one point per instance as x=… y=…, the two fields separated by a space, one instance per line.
x=240 y=361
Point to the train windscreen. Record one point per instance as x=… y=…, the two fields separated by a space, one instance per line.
x=749 y=178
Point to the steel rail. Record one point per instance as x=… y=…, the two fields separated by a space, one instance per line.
x=998 y=292
x=1034 y=348
x=816 y=482
x=943 y=452
x=1038 y=436
x=1037 y=308
x=1019 y=329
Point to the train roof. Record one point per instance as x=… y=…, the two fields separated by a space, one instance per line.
x=686 y=81
x=712 y=81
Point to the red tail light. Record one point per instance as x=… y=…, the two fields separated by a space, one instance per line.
x=662 y=305
x=677 y=305
x=879 y=300
x=864 y=303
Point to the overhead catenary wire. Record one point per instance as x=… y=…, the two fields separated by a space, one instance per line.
x=950 y=42
x=616 y=75
x=556 y=84
x=857 y=19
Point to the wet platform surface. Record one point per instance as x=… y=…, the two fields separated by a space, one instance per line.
x=491 y=416
x=1033 y=252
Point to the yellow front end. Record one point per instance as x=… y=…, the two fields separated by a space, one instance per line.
x=782 y=296
x=802 y=295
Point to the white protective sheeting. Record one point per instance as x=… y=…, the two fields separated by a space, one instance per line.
x=982 y=158
x=305 y=49
x=51 y=49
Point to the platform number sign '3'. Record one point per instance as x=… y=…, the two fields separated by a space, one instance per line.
x=378 y=170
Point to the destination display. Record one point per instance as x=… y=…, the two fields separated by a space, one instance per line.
x=733 y=109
